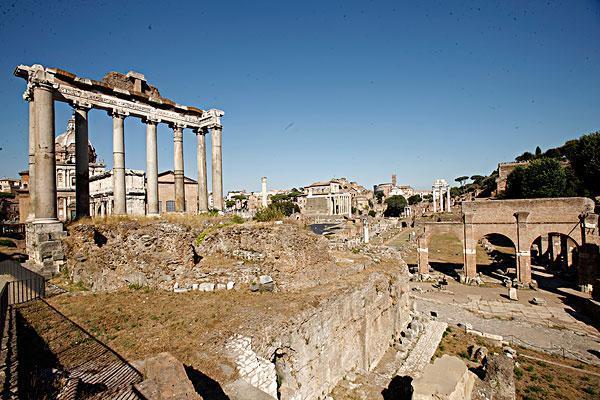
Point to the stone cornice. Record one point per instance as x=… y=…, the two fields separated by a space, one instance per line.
x=71 y=89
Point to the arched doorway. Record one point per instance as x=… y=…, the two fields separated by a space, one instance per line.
x=496 y=258
x=446 y=254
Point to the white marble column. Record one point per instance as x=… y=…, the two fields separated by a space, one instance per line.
x=202 y=178
x=178 y=169
x=151 y=168
x=448 y=199
x=32 y=145
x=82 y=163
x=119 y=188
x=45 y=159
x=263 y=182
x=433 y=193
x=217 y=167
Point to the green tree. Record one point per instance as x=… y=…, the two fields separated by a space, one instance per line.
x=379 y=196
x=542 y=177
x=527 y=156
x=414 y=199
x=461 y=180
x=477 y=179
x=454 y=191
x=538 y=151
x=395 y=206
x=230 y=203
x=586 y=163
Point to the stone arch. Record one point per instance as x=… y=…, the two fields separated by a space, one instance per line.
x=430 y=230
x=502 y=252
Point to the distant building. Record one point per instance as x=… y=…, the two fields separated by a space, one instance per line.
x=9 y=185
x=328 y=198
x=64 y=147
x=102 y=197
x=504 y=169
x=166 y=193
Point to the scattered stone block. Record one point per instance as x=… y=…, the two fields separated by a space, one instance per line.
x=194 y=286
x=538 y=301
x=447 y=378
x=221 y=286
x=266 y=283
x=512 y=293
x=206 y=287
x=230 y=285
x=180 y=290
x=166 y=379
x=254 y=286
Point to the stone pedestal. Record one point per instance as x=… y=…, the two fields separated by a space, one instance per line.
x=44 y=247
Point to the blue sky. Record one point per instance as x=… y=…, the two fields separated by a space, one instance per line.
x=317 y=89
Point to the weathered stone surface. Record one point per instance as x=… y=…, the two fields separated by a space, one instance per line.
x=347 y=333
x=166 y=379
x=447 y=378
x=206 y=287
x=499 y=376
x=512 y=293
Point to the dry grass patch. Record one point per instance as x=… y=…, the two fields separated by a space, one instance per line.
x=534 y=379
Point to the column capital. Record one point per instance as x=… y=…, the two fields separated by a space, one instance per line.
x=151 y=120
x=79 y=105
x=200 y=131
x=216 y=127
x=118 y=113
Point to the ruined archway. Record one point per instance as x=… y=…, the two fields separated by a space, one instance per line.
x=496 y=257
x=446 y=252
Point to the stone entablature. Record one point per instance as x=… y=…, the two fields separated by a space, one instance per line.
x=90 y=93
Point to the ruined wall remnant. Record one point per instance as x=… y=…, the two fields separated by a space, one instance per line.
x=349 y=332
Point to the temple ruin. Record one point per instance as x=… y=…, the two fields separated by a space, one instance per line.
x=121 y=96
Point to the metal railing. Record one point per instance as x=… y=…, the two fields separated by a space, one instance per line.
x=25 y=284
x=12 y=229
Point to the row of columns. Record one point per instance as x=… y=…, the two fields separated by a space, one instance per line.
x=341 y=205
x=438 y=193
x=42 y=161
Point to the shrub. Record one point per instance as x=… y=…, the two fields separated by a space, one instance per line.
x=372 y=213
x=275 y=211
x=268 y=214
x=236 y=219
x=7 y=243
x=518 y=373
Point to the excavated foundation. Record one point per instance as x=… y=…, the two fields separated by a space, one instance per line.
x=349 y=332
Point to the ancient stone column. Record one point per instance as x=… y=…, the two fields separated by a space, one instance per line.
x=119 y=189
x=433 y=193
x=202 y=178
x=523 y=248
x=448 y=199
x=45 y=160
x=264 y=190
x=82 y=163
x=217 y=167
x=366 y=231
x=178 y=168
x=555 y=249
x=151 y=168
x=469 y=248
x=423 y=255
x=32 y=145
